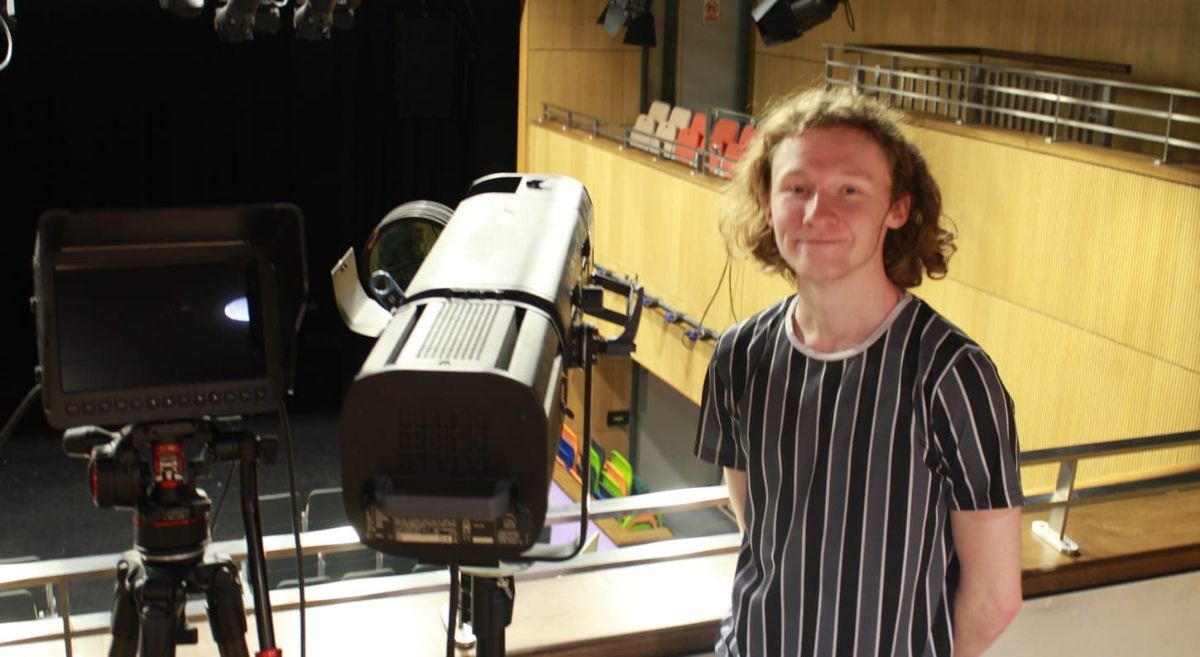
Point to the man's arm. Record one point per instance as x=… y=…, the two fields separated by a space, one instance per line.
x=735 y=481
x=989 y=589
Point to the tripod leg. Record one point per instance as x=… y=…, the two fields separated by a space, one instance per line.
x=125 y=625
x=158 y=629
x=492 y=600
x=226 y=614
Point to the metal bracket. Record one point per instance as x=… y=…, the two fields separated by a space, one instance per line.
x=1055 y=539
x=1054 y=531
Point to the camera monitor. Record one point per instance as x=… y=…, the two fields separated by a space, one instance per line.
x=146 y=315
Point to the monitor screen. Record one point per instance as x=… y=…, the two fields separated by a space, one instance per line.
x=160 y=325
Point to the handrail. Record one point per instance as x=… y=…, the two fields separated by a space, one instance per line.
x=1178 y=91
x=1059 y=106
x=59 y=572
x=651 y=143
x=1113 y=492
x=1053 y=531
x=1011 y=55
x=411 y=584
x=341 y=539
x=1111 y=448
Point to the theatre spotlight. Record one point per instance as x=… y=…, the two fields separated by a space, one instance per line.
x=633 y=14
x=314 y=18
x=779 y=21
x=237 y=20
x=449 y=430
x=183 y=8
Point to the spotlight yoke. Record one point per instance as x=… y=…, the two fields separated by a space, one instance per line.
x=450 y=429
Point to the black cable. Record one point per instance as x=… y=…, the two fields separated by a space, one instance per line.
x=8 y=35
x=216 y=515
x=452 y=615
x=286 y=430
x=849 y=14
x=19 y=414
x=724 y=270
x=732 y=311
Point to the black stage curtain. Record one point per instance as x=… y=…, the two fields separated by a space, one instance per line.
x=116 y=103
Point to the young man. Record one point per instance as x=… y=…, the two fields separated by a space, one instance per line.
x=869 y=446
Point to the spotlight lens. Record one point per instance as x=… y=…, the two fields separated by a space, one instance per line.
x=238 y=310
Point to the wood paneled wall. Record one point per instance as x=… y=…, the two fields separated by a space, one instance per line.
x=1158 y=39
x=568 y=60
x=611 y=380
x=1079 y=279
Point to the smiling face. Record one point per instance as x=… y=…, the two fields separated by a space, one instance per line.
x=830 y=206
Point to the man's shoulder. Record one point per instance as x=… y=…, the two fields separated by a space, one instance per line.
x=941 y=343
x=741 y=341
x=767 y=320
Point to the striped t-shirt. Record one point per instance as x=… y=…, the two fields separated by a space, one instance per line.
x=854 y=460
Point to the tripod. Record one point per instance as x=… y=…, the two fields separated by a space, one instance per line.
x=485 y=600
x=171 y=533
x=150 y=599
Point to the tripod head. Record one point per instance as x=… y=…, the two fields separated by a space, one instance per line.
x=146 y=467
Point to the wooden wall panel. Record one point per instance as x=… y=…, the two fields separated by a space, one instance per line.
x=558 y=25
x=607 y=90
x=1073 y=379
x=612 y=380
x=1071 y=386
x=777 y=75
x=569 y=60
x=1111 y=253
x=1158 y=40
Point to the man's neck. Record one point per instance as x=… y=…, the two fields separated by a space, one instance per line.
x=831 y=318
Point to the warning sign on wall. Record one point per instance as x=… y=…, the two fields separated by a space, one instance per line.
x=712 y=11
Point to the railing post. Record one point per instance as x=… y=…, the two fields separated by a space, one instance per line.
x=1057 y=108
x=1054 y=530
x=66 y=616
x=892 y=79
x=963 y=93
x=51 y=602
x=828 y=67
x=1167 y=135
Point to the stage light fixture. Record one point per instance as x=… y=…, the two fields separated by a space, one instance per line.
x=780 y=21
x=632 y=14
x=183 y=8
x=449 y=431
x=237 y=20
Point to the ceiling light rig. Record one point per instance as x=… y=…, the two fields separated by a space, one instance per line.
x=238 y=21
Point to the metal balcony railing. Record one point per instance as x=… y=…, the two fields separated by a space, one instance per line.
x=1058 y=106
x=704 y=159
x=57 y=573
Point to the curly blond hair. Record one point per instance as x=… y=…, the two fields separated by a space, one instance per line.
x=920 y=247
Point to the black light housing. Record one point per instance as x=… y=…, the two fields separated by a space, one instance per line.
x=780 y=21
x=633 y=14
x=449 y=431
